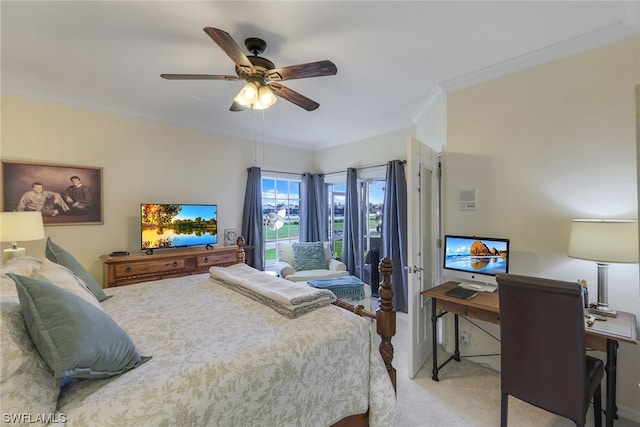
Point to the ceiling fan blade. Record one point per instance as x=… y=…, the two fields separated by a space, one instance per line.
x=198 y=77
x=294 y=97
x=235 y=106
x=231 y=48
x=302 y=71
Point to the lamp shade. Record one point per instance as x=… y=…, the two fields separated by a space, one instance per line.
x=606 y=241
x=21 y=226
x=248 y=95
x=266 y=97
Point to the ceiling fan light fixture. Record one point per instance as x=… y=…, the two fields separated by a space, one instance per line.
x=256 y=96
x=247 y=95
x=266 y=96
x=259 y=106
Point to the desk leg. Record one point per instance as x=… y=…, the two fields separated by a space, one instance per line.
x=611 y=368
x=456 y=353
x=434 y=340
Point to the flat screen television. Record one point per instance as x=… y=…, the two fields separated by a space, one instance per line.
x=164 y=225
x=475 y=259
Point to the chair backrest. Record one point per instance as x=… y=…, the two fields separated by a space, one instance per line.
x=373 y=259
x=543 y=358
x=285 y=253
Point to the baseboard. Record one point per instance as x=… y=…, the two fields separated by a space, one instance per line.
x=626 y=413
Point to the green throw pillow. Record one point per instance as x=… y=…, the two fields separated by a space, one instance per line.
x=58 y=255
x=309 y=256
x=73 y=337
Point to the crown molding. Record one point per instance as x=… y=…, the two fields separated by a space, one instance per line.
x=433 y=98
x=627 y=27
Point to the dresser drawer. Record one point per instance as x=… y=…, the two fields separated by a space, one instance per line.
x=206 y=260
x=135 y=269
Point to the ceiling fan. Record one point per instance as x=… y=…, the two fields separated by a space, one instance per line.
x=261 y=75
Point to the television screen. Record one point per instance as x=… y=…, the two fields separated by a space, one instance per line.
x=173 y=225
x=475 y=258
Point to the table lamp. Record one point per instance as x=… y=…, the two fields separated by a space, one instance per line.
x=19 y=226
x=604 y=241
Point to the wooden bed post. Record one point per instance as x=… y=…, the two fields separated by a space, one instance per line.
x=240 y=255
x=386 y=318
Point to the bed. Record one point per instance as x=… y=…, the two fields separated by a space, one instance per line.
x=218 y=357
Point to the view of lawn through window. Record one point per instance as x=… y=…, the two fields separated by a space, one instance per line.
x=281 y=210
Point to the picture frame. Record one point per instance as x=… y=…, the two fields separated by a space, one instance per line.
x=65 y=194
x=230 y=236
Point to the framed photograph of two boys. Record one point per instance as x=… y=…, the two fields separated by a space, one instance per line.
x=66 y=195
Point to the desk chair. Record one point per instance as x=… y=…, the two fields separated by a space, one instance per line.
x=543 y=361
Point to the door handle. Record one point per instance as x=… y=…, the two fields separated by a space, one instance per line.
x=414 y=269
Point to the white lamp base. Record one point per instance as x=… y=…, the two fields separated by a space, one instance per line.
x=10 y=253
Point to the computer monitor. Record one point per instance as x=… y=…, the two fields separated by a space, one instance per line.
x=475 y=259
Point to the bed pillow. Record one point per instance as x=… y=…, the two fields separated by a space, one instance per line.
x=309 y=256
x=23 y=265
x=58 y=255
x=28 y=385
x=66 y=279
x=75 y=338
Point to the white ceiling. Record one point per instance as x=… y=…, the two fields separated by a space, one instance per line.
x=392 y=57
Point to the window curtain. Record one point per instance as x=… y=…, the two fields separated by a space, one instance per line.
x=352 y=240
x=313 y=209
x=394 y=231
x=252 y=218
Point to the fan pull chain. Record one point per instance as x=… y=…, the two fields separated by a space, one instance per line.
x=257 y=140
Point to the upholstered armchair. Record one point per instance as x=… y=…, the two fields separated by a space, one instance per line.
x=300 y=262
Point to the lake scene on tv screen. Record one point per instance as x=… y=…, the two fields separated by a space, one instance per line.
x=476 y=255
x=173 y=225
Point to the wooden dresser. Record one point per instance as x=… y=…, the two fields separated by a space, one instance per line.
x=139 y=267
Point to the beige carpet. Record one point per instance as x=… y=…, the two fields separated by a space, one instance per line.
x=467 y=394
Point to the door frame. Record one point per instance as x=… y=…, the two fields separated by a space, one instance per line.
x=423 y=254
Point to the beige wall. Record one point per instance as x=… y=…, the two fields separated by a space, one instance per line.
x=142 y=162
x=541 y=147
x=368 y=152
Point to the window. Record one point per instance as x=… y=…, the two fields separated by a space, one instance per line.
x=371 y=197
x=372 y=192
x=281 y=210
x=336 y=194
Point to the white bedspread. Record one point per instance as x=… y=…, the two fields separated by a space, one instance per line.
x=290 y=299
x=222 y=359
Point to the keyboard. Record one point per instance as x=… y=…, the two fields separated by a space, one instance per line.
x=483 y=287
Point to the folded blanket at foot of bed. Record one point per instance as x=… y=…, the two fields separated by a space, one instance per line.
x=345 y=288
x=290 y=299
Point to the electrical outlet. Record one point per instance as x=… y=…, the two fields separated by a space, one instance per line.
x=465 y=338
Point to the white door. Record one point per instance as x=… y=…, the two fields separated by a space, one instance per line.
x=422 y=193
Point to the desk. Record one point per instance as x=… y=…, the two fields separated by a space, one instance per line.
x=602 y=336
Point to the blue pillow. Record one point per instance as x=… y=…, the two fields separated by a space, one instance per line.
x=58 y=255
x=73 y=337
x=309 y=256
